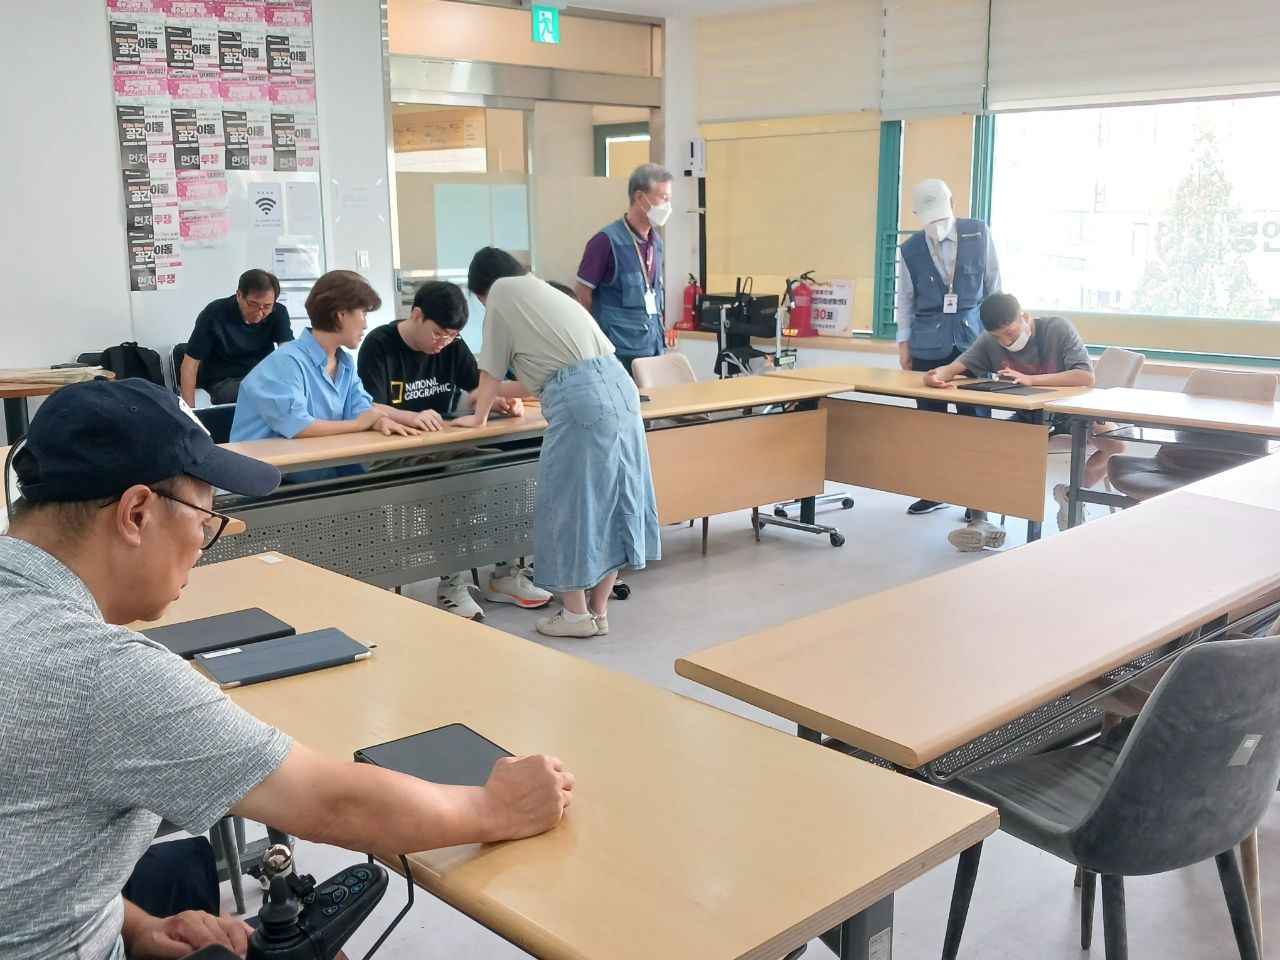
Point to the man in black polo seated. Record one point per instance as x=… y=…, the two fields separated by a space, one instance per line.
x=232 y=335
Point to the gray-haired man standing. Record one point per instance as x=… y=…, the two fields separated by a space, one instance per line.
x=620 y=278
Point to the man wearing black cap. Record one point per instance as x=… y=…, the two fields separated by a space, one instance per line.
x=103 y=732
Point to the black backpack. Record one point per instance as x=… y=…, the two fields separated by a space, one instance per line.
x=130 y=360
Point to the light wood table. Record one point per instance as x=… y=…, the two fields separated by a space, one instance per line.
x=714 y=447
x=906 y=383
x=694 y=834
x=1256 y=483
x=1187 y=413
x=15 y=394
x=917 y=671
x=705 y=464
x=986 y=464
x=312 y=453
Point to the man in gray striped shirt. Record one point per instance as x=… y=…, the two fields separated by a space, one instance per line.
x=103 y=732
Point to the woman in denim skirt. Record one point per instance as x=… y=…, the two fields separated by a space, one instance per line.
x=595 y=510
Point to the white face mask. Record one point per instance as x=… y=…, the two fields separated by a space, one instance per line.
x=940 y=228
x=1023 y=339
x=660 y=213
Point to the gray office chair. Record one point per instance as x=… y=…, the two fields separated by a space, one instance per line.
x=1177 y=464
x=1189 y=778
x=217 y=419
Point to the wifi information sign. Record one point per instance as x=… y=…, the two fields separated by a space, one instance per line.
x=266 y=208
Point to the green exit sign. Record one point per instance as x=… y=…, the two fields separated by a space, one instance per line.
x=546 y=25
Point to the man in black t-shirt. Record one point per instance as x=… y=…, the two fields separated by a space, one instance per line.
x=421 y=364
x=232 y=335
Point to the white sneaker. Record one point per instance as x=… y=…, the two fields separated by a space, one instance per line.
x=602 y=625
x=517 y=588
x=456 y=598
x=1060 y=498
x=558 y=626
x=979 y=535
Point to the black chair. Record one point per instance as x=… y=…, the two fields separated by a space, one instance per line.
x=176 y=356
x=217 y=420
x=1189 y=778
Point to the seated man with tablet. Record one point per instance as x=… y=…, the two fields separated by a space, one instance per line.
x=105 y=732
x=1030 y=352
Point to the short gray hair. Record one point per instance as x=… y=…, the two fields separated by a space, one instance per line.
x=645 y=177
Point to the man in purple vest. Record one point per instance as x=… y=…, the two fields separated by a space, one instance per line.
x=945 y=270
x=620 y=278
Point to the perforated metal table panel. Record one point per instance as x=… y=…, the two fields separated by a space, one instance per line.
x=389 y=531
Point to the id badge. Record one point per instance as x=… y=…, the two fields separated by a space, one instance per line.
x=950 y=302
x=651 y=303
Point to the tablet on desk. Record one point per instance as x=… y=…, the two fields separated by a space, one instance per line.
x=282 y=657
x=215 y=633
x=455 y=754
x=1011 y=387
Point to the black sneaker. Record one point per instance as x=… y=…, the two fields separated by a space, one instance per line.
x=925 y=506
x=970 y=514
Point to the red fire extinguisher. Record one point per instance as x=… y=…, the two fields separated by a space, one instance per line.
x=800 y=307
x=691 y=294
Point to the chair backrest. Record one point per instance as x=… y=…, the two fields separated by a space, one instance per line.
x=665 y=370
x=1117 y=368
x=1198 y=768
x=1231 y=386
x=130 y=360
x=217 y=420
x=176 y=356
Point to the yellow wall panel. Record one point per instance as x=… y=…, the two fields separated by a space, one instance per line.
x=939 y=147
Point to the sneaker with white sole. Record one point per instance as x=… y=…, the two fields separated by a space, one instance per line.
x=558 y=626
x=456 y=598
x=517 y=588
x=921 y=507
x=1060 y=491
x=979 y=535
x=602 y=625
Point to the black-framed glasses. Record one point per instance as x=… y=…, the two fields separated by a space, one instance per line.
x=213 y=526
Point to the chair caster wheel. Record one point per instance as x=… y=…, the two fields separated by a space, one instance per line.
x=837 y=539
x=621 y=591
x=847 y=503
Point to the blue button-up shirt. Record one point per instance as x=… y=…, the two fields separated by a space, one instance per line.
x=291 y=389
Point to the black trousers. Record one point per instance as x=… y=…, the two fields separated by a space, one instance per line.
x=175 y=876
x=940 y=406
x=225 y=391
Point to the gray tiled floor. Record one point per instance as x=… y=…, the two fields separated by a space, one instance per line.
x=1024 y=906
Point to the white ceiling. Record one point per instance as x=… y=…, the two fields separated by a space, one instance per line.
x=681 y=8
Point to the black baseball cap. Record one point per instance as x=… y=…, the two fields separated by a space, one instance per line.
x=97 y=439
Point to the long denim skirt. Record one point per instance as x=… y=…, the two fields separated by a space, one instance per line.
x=595 y=510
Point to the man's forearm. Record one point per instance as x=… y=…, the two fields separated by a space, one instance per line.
x=1067 y=378
x=187 y=383
x=387 y=813
x=134 y=918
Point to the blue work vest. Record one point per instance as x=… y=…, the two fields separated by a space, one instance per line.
x=934 y=334
x=618 y=304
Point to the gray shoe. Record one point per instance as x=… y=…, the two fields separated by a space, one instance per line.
x=979 y=535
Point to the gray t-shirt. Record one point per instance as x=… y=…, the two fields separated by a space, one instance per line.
x=536 y=330
x=1055 y=346
x=102 y=733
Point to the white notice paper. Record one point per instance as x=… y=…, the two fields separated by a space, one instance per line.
x=303 y=198
x=300 y=262
x=266 y=208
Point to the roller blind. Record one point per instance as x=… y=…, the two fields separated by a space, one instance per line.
x=933 y=58
x=804 y=60
x=1046 y=53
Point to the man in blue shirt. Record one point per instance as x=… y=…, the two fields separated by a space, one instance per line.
x=945 y=270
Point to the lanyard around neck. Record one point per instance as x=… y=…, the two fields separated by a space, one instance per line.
x=646 y=266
